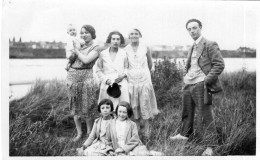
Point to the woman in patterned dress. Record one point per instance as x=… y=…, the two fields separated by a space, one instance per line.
x=80 y=82
x=142 y=96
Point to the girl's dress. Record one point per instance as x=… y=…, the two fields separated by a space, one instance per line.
x=80 y=85
x=142 y=96
x=124 y=134
x=108 y=69
x=96 y=141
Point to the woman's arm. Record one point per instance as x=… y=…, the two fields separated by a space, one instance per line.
x=99 y=71
x=87 y=58
x=126 y=64
x=149 y=58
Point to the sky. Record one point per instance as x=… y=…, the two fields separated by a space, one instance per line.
x=231 y=24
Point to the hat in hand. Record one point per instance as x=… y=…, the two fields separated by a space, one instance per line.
x=114 y=90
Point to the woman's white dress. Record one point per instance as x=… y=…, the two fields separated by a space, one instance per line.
x=142 y=96
x=108 y=69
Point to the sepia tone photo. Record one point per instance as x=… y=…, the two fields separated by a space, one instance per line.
x=129 y=78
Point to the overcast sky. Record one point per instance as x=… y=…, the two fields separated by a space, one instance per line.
x=230 y=24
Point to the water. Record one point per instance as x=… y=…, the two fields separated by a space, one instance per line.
x=24 y=71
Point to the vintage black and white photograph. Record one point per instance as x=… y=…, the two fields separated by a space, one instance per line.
x=129 y=78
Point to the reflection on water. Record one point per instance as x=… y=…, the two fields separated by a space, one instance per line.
x=28 y=70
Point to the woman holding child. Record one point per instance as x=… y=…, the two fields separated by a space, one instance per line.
x=112 y=68
x=80 y=81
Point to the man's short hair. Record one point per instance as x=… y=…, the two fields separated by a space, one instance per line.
x=194 y=20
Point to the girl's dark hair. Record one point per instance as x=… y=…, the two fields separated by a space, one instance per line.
x=91 y=30
x=107 y=102
x=122 y=40
x=194 y=20
x=128 y=108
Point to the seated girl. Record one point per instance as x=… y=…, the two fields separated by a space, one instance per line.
x=122 y=135
x=95 y=144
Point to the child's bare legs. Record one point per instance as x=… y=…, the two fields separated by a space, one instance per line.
x=78 y=127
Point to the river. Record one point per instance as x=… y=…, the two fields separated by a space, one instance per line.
x=22 y=72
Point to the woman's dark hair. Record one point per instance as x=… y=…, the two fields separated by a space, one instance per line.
x=91 y=30
x=122 y=40
x=128 y=108
x=194 y=20
x=107 y=102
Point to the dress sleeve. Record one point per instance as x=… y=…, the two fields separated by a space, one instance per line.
x=100 y=69
x=134 y=140
x=126 y=64
x=92 y=135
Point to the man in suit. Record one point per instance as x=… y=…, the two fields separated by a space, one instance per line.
x=203 y=66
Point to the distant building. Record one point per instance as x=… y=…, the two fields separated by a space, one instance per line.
x=36 y=45
x=246 y=49
x=162 y=48
x=178 y=47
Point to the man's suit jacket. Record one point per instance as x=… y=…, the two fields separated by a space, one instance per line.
x=210 y=61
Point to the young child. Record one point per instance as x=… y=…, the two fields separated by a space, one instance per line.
x=122 y=135
x=95 y=144
x=72 y=41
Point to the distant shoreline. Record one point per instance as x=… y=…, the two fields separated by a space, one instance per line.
x=29 y=53
x=152 y=57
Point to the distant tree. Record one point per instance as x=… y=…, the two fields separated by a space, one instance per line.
x=20 y=40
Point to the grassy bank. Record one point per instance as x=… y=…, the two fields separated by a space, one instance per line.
x=40 y=124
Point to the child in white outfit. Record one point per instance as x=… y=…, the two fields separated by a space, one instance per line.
x=72 y=41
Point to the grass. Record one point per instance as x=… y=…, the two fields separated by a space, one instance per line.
x=40 y=124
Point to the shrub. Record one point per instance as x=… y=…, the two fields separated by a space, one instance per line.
x=167 y=80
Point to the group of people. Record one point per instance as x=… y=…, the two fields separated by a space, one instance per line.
x=128 y=70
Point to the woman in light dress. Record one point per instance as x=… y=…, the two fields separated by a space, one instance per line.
x=112 y=68
x=142 y=96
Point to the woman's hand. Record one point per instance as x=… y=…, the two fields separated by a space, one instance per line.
x=119 y=150
x=120 y=78
x=108 y=82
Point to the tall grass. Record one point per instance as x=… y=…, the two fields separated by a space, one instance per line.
x=40 y=124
